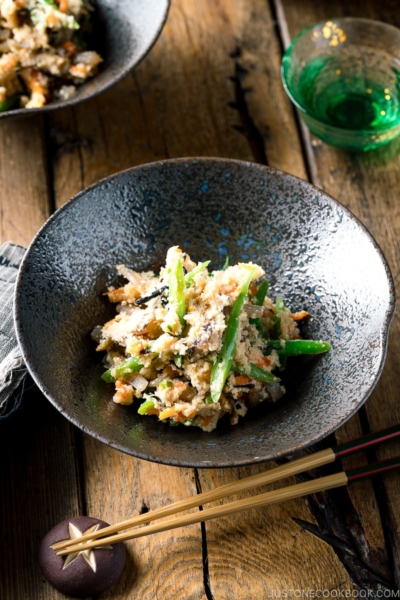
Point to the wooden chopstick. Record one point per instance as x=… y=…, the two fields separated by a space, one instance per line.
x=293 y=491
x=287 y=470
x=272 y=497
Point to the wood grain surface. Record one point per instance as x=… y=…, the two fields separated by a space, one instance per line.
x=210 y=87
x=25 y=198
x=39 y=476
x=368 y=185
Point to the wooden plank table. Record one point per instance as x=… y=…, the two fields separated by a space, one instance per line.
x=210 y=87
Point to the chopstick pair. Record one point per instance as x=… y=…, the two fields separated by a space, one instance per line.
x=287 y=493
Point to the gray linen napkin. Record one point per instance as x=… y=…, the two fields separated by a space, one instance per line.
x=12 y=367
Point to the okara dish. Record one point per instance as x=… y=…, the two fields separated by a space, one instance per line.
x=193 y=345
x=43 y=53
x=316 y=255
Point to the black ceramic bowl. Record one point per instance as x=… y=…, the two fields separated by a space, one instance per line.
x=317 y=255
x=124 y=31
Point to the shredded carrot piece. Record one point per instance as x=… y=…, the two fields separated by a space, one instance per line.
x=123 y=393
x=51 y=19
x=206 y=421
x=70 y=48
x=264 y=361
x=169 y=370
x=78 y=71
x=298 y=316
x=225 y=404
x=206 y=376
x=32 y=79
x=116 y=295
x=226 y=289
x=167 y=412
x=234 y=419
x=63 y=6
x=242 y=379
x=181 y=417
x=253 y=289
x=8 y=63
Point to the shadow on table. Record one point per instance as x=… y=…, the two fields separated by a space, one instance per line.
x=38 y=488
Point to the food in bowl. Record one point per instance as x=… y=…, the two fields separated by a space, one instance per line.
x=43 y=52
x=193 y=345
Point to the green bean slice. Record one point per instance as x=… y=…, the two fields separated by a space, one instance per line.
x=223 y=363
x=226 y=263
x=279 y=307
x=145 y=407
x=189 y=277
x=298 y=347
x=130 y=366
x=261 y=293
x=255 y=372
x=177 y=290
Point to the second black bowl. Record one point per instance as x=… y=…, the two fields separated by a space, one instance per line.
x=123 y=33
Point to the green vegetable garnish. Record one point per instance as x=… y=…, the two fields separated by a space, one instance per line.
x=165 y=384
x=255 y=372
x=259 y=301
x=39 y=12
x=178 y=360
x=48 y=3
x=226 y=263
x=261 y=293
x=130 y=366
x=145 y=407
x=9 y=103
x=279 y=307
x=223 y=364
x=258 y=323
x=189 y=277
x=298 y=347
x=177 y=290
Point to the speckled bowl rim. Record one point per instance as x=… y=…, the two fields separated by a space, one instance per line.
x=389 y=313
x=73 y=101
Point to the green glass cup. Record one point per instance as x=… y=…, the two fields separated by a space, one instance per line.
x=343 y=75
